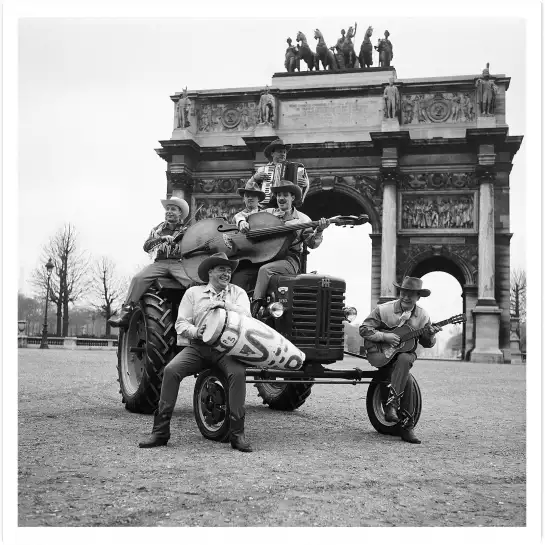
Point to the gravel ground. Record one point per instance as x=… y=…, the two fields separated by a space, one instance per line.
x=322 y=465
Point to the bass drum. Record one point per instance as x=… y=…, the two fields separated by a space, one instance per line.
x=377 y=393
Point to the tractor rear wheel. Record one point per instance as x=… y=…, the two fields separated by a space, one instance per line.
x=144 y=349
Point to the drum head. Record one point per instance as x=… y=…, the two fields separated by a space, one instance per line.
x=214 y=323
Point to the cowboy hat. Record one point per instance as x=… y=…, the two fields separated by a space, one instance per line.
x=286 y=185
x=252 y=187
x=275 y=144
x=180 y=203
x=213 y=261
x=413 y=284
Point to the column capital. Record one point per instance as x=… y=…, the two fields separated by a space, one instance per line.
x=390 y=175
x=485 y=173
x=181 y=179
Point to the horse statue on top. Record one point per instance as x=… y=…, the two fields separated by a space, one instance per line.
x=305 y=53
x=323 y=53
x=350 y=58
x=366 y=51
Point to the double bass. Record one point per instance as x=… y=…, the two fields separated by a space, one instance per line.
x=268 y=239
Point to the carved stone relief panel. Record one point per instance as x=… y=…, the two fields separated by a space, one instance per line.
x=437 y=180
x=230 y=117
x=438 y=108
x=444 y=211
x=217 y=207
x=219 y=185
x=464 y=255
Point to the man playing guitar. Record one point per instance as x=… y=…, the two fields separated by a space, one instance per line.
x=374 y=329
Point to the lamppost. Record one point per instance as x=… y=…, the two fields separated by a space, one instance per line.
x=49 y=266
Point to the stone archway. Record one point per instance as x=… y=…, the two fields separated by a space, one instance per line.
x=327 y=198
x=439 y=260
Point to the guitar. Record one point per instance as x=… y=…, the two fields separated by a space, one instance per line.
x=407 y=341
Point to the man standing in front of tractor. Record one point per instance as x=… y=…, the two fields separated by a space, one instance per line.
x=286 y=194
x=399 y=407
x=160 y=245
x=197 y=301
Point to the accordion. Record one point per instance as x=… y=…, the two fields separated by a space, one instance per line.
x=286 y=170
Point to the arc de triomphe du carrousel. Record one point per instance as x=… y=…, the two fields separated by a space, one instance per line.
x=427 y=159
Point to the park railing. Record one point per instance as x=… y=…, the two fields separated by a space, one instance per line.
x=69 y=343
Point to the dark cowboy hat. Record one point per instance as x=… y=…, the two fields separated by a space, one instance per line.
x=286 y=185
x=213 y=261
x=275 y=144
x=413 y=284
x=252 y=187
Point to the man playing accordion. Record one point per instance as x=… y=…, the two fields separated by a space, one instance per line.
x=271 y=174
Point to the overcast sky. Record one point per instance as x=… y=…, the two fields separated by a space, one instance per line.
x=94 y=103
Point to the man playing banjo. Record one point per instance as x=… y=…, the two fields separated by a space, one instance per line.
x=196 y=303
x=374 y=330
x=162 y=246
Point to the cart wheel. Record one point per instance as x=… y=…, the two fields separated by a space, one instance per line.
x=211 y=405
x=377 y=394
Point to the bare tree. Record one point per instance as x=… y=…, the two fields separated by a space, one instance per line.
x=69 y=278
x=518 y=294
x=107 y=289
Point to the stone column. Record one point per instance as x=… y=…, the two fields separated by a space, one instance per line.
x=389 y=237
x=486 y=313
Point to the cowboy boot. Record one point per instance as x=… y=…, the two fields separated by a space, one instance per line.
x=256 y=306
x=392 y=406
x=238 y=440
x=124 y=316
x=160 y=434
x=407 y=428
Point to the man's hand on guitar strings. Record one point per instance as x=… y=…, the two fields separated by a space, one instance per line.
x=433 y=329
x=391 y=338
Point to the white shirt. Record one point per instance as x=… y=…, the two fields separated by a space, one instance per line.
x=195 y=302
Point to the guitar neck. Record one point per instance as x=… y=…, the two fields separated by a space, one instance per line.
x=281 y=229
x=417 y=332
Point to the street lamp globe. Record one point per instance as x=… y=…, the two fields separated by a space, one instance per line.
x=49 y=266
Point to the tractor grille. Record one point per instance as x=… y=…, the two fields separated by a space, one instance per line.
x=318 y=317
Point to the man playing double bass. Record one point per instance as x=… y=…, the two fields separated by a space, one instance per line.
x=246 y=273
x=374 y=330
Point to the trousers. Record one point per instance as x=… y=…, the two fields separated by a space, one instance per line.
x=282 y=266
x=400 y=378
x=245 y=275
x=194 y=359
x=144 y=279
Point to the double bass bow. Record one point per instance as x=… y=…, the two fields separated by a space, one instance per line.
x=267 y=239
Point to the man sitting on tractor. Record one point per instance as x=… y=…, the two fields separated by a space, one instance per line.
x=217 y=292
x=246 y=273
x=162 y=244
x=286 y=193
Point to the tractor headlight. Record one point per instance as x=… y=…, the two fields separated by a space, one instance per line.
x=350 y=313
x=276 y=309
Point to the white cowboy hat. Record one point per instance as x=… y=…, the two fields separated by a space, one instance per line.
x=180 y=203
x=213 y=261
